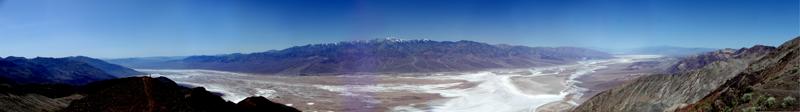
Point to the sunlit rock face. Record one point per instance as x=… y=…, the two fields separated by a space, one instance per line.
x=772 y=83
x=704 y=79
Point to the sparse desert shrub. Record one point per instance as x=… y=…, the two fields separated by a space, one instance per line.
x=760 y=101
x=727 y=109
x=705 y=107
x=771 y=102
x=746 y=97
x=749 y=109
x=788 y=101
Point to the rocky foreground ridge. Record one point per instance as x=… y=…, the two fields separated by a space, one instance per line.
x=704 y=82
x=133 y=94
x=770 y=84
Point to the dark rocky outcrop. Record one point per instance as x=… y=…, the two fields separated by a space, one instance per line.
x=381 y=55
x=35 y=97
x=73 y=84
x=133 y=94
x=48 y=84
x=31 y=103
x=144 y=94
x=261 y=104
x=702 y=78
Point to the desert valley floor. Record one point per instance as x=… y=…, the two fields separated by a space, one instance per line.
x=507 y=90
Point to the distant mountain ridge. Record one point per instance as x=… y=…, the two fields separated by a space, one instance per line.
x=70 y=70
x=144 y=61
x=113 y=69
x=380 y=55
x=702 y=59
x=664 y=50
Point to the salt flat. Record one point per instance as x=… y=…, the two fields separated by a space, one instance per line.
x=502 y=90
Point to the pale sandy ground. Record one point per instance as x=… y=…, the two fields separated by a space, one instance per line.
x=319 y=93
x=522 y=89
x=547 y=84
x=365 y=93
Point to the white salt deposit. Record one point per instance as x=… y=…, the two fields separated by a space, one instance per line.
x=493 y=92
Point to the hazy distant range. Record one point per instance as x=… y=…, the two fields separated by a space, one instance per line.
x=389 y=56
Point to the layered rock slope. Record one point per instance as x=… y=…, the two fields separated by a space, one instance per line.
x=696 y=77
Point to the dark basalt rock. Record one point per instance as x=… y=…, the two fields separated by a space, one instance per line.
x=136 y=94
x=261 y=104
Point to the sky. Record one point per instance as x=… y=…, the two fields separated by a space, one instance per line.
x=141 y=28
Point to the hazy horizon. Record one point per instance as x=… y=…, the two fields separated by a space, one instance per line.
x=143 y=28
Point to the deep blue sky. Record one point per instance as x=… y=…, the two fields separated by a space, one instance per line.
x=136 y=28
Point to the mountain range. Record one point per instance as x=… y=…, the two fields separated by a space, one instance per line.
x=69 y=70
x=377 y=55
x=664 y=50
x=670 y=51
x=759 y=78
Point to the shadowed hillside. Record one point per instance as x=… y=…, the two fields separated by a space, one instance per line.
x=144 y=94
x=19 y=70
x=133 y=94
x=69 y=70
x=112 y=69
